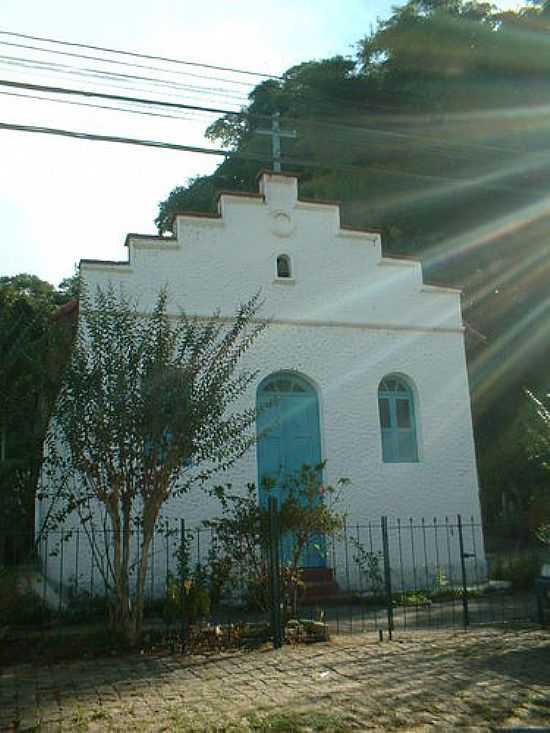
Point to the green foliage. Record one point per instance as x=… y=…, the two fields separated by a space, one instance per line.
x=292 y=721
x=20 y=607
x=369 y=564
x=34 y=343
x=543 y=534
x=520 y=569
x=308 y=508
x=435 y=115
x=238 y=563
x=145 y=413
x=186 y=600
x=414 y=598
x=308 y=514
x=83 y=607
x=441 y=582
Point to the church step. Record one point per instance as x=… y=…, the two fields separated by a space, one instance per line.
x=317 y=575
x=319 y=583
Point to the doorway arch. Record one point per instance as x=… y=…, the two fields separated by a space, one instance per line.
x=289 y=436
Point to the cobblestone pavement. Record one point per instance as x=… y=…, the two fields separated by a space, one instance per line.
x=476 y=681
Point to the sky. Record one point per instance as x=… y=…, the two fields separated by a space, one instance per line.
x=63 y=199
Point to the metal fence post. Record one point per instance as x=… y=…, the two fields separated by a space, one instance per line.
x=275 y=572
x=466 y=613
x=182 y=580
x=387 y=572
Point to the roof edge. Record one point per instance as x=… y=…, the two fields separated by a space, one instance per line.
x=103 y=262
x=133 y=235
x=361 y=230
x=239 y=194
x=322 y=202
x=282 y=174
x=409 y=258
x=442 y=286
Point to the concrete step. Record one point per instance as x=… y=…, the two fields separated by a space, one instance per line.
x=319 y=584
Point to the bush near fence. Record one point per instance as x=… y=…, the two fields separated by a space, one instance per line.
x=418 y=572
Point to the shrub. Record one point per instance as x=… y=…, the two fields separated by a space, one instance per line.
x=520 y=570
x=17 y=607
x=83 y=607
x=239 y=560
x=188 y=601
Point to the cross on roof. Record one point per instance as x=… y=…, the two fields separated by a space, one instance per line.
x=276 y=134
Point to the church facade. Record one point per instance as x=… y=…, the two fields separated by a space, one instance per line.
x=367 y=361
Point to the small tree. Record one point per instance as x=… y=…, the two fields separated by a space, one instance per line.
x=241 y=535
x=537 y=440
x=240 y=541
x=308 y=515
x=147 y=410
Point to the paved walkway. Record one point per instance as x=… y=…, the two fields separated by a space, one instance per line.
x=476 y=681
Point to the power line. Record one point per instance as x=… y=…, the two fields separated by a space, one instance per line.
x=36 y=64
x=167 y=96
x=429 y=142
x=126 y=140
x=118 y=62
x=242 y=114
x=99 y=106
x=204 y=116
x=139 y=55
x=116 y=97
x=250 y=156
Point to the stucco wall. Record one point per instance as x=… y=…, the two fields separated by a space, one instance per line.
x=346 y=318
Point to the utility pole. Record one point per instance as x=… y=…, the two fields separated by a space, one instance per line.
x=276 y=134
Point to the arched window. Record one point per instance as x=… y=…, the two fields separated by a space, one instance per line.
x=397 y=421
x=283 y=266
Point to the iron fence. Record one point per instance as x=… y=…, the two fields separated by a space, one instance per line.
x=376 y=575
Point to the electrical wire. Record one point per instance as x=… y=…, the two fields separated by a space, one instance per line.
x=436 y=144
x=116 y=97
x=118 y=62
x=127 y=141
x=124 y=78
x=135 y=54
x=105 y=87
x=100 y=106
x=190 y=116
x=254 y=156
x=244 y=115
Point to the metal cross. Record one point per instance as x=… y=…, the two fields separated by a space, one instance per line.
x=276 y=134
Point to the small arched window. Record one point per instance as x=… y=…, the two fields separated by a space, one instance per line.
x=397 y=421
x=283 y=266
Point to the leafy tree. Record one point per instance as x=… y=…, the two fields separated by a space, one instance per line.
x=432 y=133
x=241 y=536
x=308 y=516
x=537 y=441
x=146 y=410
x=34 y=343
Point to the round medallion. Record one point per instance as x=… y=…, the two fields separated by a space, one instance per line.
x=281 y=224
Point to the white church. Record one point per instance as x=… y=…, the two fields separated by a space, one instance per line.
x=367 y=360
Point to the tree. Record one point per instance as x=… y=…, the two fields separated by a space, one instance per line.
x=307 y=518
x=146 y=411
x=519 y=459
x=431 y=133
x=34 y=342
x=537 y=440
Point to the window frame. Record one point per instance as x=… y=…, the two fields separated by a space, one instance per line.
x=390 y=434
x=288 y=263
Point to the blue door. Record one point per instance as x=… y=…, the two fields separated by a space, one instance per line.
x=288 y=425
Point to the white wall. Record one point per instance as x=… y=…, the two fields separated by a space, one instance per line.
x=346 y=318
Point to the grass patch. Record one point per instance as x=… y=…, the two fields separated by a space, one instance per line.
x=298 y=722
x=279 y=721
